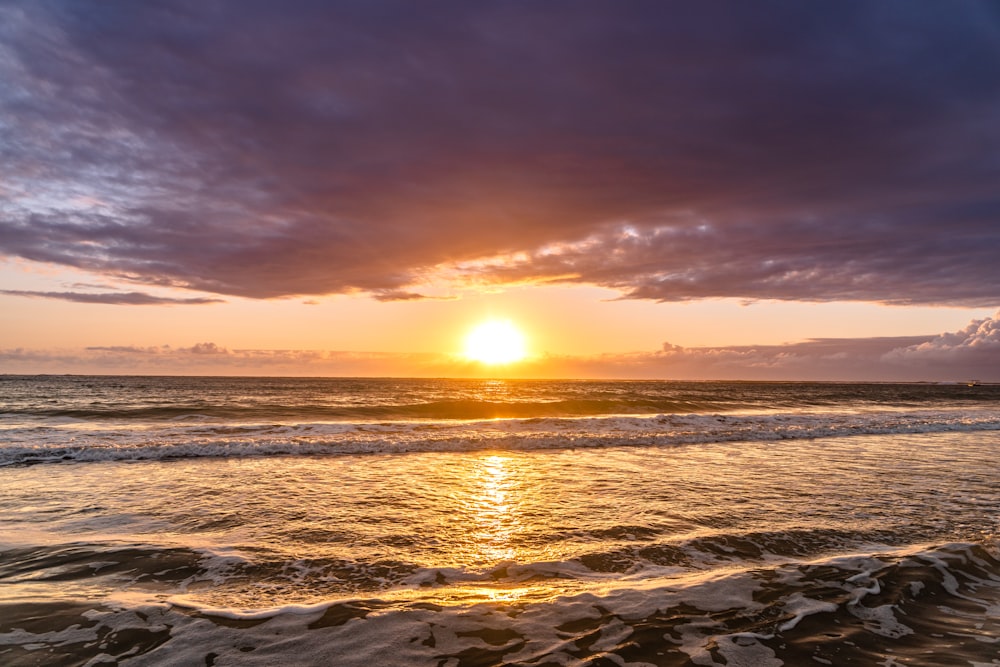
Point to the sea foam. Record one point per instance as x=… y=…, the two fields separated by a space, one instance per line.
x=75 y=441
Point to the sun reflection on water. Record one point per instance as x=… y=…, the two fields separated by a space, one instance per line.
x=494 y=491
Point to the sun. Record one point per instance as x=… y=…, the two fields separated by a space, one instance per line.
x=495 y=342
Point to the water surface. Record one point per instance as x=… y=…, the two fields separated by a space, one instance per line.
x=262 y=521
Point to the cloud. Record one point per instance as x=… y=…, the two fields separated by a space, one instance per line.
x=819 y=151
x=114 y=298
x=164 y=350
x=205 y=348
x=125 y=349
x=972 y=353
x=402 y=295
x=397 y=295
x=684 y=261
x=976 y=347
x=213 y=359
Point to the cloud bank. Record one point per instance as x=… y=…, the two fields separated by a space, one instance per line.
x=113 y=298
x=970 y=354
x=822 y=151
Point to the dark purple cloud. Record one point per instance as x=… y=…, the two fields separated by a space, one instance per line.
x=821 y=151
x=112 y=298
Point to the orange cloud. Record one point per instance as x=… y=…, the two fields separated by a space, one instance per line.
x=972 y=353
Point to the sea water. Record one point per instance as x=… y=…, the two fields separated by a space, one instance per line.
x=263 y=521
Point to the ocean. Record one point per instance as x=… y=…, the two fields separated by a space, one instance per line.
x=461 y=523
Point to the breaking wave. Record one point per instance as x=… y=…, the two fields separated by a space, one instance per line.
x=72 y=441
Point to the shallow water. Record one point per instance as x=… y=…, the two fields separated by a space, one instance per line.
x=637 y=547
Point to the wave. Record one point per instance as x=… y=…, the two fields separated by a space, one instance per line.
x=432 y=410
x=145 y=399
x=33 y=443
x=922 y=604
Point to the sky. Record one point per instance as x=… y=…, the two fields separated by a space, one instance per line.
x=712 y=190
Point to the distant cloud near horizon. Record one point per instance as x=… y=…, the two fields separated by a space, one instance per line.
x=971 y=353
x=814 y=151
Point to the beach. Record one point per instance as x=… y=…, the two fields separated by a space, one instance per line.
x=225 y=521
